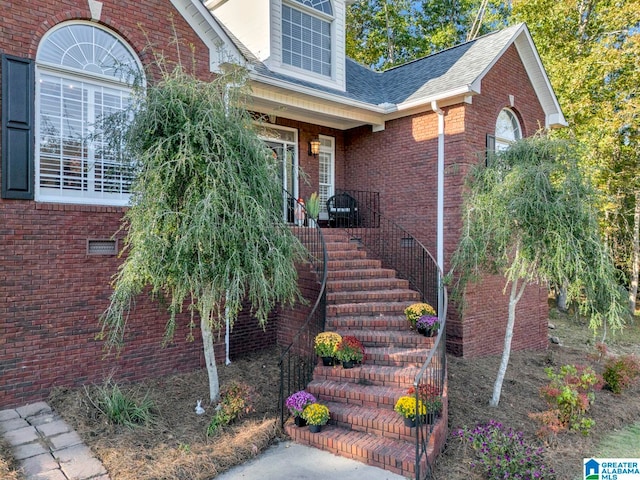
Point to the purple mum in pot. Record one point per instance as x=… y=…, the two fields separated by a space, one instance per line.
x=297 y=401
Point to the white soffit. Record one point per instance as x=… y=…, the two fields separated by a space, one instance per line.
x=221 y=49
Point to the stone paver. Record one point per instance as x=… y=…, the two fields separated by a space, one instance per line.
x=54 y=428
x=13 y=424
x=39 y=464
x=29 y=450
x=47 y=447
x=21 y=436
x=8 y=414
x=33 y=409
x=79 y=462
x=65 y=440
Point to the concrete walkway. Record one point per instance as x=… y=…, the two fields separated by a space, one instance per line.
x=46 y=447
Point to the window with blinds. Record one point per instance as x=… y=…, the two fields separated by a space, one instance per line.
x=306 y=37
x=84 y=74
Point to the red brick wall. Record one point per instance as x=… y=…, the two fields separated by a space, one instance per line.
x=51 y=291
x=401 y=163
x=309 y=165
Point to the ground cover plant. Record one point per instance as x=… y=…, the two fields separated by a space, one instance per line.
x=175 y=445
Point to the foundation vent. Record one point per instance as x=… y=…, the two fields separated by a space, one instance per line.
x=102 y=247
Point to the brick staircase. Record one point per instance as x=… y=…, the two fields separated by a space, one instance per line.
x=367 y=301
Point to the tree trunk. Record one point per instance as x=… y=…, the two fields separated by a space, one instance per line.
x=210 y=359
x=561 y=299
x=635 y=257
x=514 y=298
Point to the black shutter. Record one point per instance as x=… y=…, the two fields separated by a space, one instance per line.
x=18 y=91
x=491 y=149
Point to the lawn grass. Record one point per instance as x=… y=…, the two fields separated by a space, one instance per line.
x=624 y=443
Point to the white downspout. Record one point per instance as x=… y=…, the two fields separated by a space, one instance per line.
x=440 y=206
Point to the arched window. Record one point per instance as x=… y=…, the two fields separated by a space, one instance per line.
x=84 y=72
x=307 y=36
x=507 y=129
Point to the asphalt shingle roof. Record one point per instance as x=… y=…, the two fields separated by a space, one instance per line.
x=424 y=78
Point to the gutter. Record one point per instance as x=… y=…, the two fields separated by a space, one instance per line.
x=440 y=206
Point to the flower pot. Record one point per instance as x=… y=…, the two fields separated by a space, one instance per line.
x=409 y=422
x=348 y=364
x=328 y=361
x=315 y=428
x=424 y=331
x=300 y=422
x=433 y=333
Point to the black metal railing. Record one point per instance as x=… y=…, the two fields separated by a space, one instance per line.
x=368 y=205
x=298 y=359
x=399 y=250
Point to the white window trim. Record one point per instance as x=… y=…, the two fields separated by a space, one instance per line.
x=331 y=150
x=276 y=64
x=43 y=194
x=503 y=143
x=263 y=133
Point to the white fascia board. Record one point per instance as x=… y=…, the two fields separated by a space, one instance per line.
x=213 y=4
x=221 y=48
x=312 y=92
x=328 y=104
x=463 y=91
x=537 y=74
x=540 y=80
x=321 y=107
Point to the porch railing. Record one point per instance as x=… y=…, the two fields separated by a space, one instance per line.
x=298 y=359
x=368 y=207
x=399 y=250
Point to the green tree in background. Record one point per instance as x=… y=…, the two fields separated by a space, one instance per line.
x=530 y=217
x=204 y=227
x=384 y=33
x=591 y=51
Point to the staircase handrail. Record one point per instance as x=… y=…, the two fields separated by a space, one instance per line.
x=433 y=370
x=302 y=342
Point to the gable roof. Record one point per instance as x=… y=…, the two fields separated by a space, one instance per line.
x=370 y=97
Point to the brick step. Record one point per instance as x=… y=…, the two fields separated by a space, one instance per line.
x=374 y=421
x=341 y=247
x=346 y=254
x=334 y=265
x=361 y=322
x=369 y=308
x=371 y=396
x=331 y=235
x=392 y=455
x=369 y=374
x=367 y=296
x=361 y=274
x=397 y=356
x=370 y=283
x=390 y=338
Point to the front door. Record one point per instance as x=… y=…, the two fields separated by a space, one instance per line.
x=283 y=144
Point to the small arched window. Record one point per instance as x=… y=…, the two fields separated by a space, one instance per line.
x=84 y=72
x=507 y=129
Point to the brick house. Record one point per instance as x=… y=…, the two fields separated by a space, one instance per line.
x=409 y=134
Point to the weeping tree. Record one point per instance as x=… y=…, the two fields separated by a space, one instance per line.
x=530 y=217
x=204 y=229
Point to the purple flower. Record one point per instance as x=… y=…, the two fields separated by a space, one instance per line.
x=297 y=401
x=427 y=322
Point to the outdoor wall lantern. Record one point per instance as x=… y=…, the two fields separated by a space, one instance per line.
x=314 y=147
